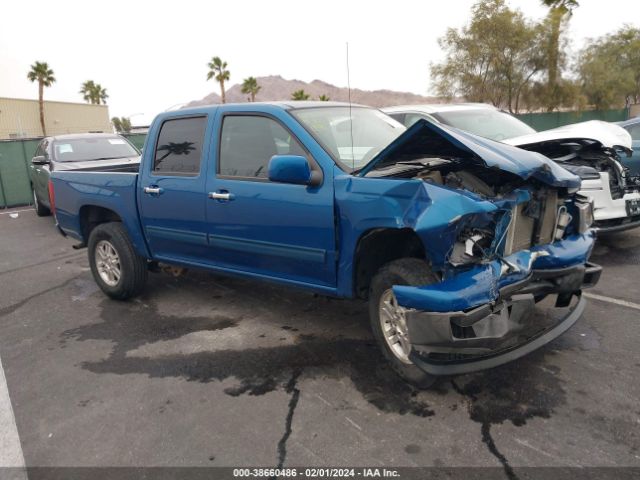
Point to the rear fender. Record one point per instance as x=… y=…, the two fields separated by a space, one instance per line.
x=112 y=191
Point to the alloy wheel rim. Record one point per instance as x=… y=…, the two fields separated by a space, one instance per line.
x=108 y=263
x=394 y=326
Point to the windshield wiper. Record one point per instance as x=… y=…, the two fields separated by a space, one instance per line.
x=106 y=158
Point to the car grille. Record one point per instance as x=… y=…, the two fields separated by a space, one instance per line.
x=532 y=223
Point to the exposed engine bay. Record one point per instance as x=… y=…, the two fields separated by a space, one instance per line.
x=587 y=158
x=531 y=213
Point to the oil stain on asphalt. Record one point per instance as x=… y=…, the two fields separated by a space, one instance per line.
x=258 y=370
x=515 y=393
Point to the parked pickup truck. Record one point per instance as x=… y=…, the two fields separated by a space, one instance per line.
x=451 y=237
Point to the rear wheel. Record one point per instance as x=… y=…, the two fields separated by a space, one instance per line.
x=388 y=320
x=117 y=268
x=41 y=210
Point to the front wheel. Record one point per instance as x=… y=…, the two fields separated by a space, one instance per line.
x=388 y=318
x=116 y=267
x=41 y=210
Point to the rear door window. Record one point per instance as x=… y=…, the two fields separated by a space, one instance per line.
x=179 y=147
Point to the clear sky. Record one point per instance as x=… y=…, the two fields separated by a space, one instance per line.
x=153 y=55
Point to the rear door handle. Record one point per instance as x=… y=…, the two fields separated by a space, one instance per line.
x=222 y=195
x=153 y=190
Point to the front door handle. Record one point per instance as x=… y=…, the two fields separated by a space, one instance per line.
x=153 y=190
x=222 y=195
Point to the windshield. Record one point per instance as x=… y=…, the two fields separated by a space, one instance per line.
x=372 y=131
x=92 y=148
x=487 y=123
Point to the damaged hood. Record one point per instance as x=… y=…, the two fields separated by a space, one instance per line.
x=424 y=139
x=606 y=134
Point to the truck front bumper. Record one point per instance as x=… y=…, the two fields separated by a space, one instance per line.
x=502 y=321
x=609 y=214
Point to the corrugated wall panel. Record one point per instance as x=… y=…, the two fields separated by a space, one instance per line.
x=20 y=118
x=14 y=174
x=136 y=138
x=549 y=120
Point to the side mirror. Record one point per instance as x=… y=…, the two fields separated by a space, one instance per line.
x=40 y=160
x=292 y=169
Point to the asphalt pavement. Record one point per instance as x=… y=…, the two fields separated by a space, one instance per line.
x=204 y=370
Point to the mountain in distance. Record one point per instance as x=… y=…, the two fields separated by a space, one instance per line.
x=274 y=88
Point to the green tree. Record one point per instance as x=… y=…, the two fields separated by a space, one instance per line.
x=609 y=69
x=41 y=73
x=250 y=87
x=218 y=71
x=559 y=12
x=87 y=90
x=323 y=98
x=494 y=59
x=300 y=95
x=121 y=124
x=93 y=93
x=100 y=95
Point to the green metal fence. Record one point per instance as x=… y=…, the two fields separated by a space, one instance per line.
x=15 y=185
x=136 y=138
x=15 y=158
x=548 y=120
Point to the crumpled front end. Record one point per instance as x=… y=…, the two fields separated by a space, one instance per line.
x=496 y=265
x=502 y=230
x=487 y=315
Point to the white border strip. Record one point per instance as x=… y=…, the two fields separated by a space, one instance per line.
x=9 y=212
x=10 y=449
x=616 y=301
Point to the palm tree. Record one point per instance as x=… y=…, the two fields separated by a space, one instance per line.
x=558 y=10
x=218 y=70
x=300 y=95
x=250 y=86
x=117 y=124
x=323 y=98
x=94 y=93
x=121 y=124
x=100 y=95
x=41 y=73
x=87 y=90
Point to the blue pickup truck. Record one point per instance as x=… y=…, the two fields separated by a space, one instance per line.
x=452 y=238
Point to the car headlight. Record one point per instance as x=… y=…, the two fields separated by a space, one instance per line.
x=585 y=212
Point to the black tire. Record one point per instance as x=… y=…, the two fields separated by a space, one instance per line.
x=133 y=267
x=404 y=271
x=41 y=210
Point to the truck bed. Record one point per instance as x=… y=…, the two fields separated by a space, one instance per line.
x=112 y=190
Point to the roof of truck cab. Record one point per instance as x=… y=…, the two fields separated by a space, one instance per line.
x=438 y=107
x=284 y=104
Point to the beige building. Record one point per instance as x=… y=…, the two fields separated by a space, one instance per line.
x=20 y=118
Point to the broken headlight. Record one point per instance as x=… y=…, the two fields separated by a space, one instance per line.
x=472 y=246
x=585 y=214
x=563 y=218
